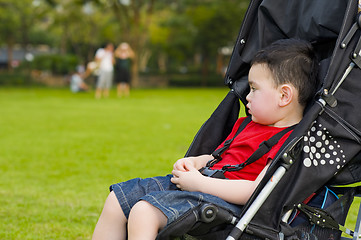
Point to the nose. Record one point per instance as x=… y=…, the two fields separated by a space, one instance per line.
x=248 y=97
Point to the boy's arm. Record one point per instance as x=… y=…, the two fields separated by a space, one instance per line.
x=233 y=191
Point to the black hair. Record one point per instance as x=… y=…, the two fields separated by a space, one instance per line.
x=292 y=61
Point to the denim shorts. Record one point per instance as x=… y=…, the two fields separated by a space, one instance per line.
x=164 y=195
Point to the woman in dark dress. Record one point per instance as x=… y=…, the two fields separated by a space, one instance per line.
x=123 y=61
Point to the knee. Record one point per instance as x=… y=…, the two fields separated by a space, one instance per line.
x=141 y=208
x=112 y=222
x=112 y=206
x=146 y=212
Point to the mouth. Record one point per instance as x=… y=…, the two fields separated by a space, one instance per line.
x=248 y=109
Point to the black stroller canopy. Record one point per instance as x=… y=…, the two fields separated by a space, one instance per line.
x=269 y=20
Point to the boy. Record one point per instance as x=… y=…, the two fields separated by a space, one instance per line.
x=282 y=81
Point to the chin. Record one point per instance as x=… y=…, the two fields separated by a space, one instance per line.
x=261 y=121
x=254 y=119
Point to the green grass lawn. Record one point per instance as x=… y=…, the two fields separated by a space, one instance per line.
x=60 y=151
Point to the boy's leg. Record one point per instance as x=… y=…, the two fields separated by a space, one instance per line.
x=145 y=221
x=112 y=222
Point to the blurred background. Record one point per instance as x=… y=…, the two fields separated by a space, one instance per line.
x=60 y=151
x=176 y=43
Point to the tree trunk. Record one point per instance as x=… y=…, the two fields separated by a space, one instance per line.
x=135 y=72
x=205 y=70
x=10 y=53
x=162 y=63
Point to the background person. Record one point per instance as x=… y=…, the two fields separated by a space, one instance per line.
x=77 y=83
x=122 y=75
x=105 y=60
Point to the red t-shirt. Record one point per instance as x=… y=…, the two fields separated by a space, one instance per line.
x=244 y=145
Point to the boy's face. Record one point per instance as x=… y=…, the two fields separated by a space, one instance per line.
x=263 y=98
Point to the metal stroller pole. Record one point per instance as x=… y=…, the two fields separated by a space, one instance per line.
x=261 y=198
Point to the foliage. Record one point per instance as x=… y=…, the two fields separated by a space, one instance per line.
x=18 y=78
x=164 y=34
x=193 y=80
x=191 y=34
x=225 y=18
x=17 y=21
x=81 y=28
x=57 y=64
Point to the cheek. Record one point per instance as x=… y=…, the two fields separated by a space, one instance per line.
x=261 y=100
x=263 y=105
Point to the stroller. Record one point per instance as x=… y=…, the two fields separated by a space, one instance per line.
x=323 y=151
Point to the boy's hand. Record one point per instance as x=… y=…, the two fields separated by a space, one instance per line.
x=180 y=165
x=197 y=162
x=188 y=179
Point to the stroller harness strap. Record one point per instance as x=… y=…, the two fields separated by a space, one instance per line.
x=217 y=153
x=263 y=148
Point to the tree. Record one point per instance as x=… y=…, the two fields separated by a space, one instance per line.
x=197 y=28
x=134 y=18
x=171 y=37
x=17 y=19
x=174 y=32
x=81 y=27
x=217 y=26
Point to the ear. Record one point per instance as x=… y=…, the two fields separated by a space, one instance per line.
x=286 y=95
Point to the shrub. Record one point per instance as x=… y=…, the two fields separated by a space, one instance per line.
x=56 y=64
x=17 y=78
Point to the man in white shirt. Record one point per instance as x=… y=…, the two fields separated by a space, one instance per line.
x=105 y=59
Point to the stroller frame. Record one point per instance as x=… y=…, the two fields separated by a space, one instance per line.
x=286 y=158
x=347 y=44
x=325 y=98
x=344 y=39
